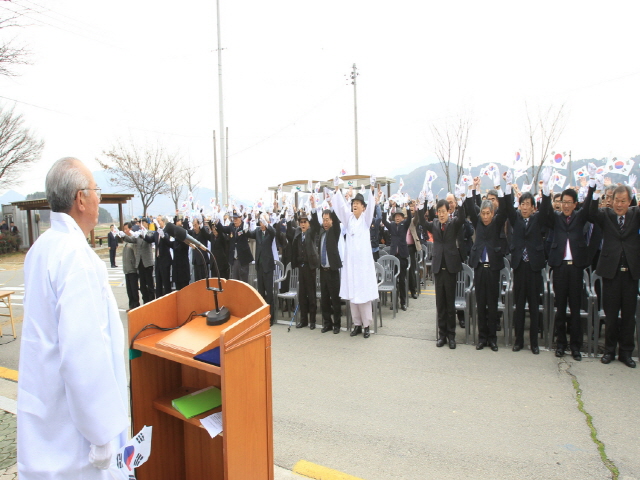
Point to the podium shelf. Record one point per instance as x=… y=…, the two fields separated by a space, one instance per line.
x=164 y=405
x=148 y=345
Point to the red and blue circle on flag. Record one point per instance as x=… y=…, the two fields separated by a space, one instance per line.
x=618 y=165
x=558 y=158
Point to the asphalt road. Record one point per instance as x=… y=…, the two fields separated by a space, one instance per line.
x=395 y=406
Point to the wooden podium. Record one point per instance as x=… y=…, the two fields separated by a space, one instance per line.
x=182 y=448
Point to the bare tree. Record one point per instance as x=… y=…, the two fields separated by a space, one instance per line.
x=10 y=54
x=19 y=148
x=543 y=130
x=190 y=175
x=176 y=185
x=146 y=169
x=450 y=146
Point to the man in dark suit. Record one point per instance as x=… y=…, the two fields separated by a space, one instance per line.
x=265 y=266
x=304 y=257
x=220 y=250
x=527 y=258
x=181 y=270
x=239 y=252
x=199 y=258
x=163 y=258
x=619 y=267
x=330 y=265
x=446 y=263
x=487 y=260
x=112 y=242
x=398 y=230
x=568 y=257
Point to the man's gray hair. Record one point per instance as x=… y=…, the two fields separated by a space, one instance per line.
x=493 y=192
x=62 y=184
x=161 y=218
x=487 y=204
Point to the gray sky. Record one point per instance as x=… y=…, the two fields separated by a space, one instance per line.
x=147 y=70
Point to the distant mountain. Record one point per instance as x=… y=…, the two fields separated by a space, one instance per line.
x=11 y=196
x=414 y=180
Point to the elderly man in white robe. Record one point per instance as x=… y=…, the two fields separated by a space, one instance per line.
x=72 y=394
x=358 y=283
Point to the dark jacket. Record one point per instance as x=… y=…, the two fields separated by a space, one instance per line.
x=112 y=241
x=573 y=230
x=445 y=252
x=238 y=241
x=616 y=242
x=203 y=237
x=374 y=231
x=180 y=264
x=528 y=235
x=310 y=248
x=331 y=238
x=163 y=250
x=220 y=250
x=398 y=233
x=264 y=248
x=487 y=236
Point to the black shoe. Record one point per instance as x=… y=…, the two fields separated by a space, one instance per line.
x=498 y=327
x=535 y=350
x=336 y=329
x=414 y=296
x=356 y=330
x=441 y=342
x=559 y=352
x=366 y=332
x=272 y=322
x=516 y=348
x=326 y=328
x=481 y=345
x=461 y=322
x=576 y=356
x=493 y=345
x=312 y=326
x=403 y=307
x=607 y=357
x=301 y=324
x=452 y=344
x=628 y=361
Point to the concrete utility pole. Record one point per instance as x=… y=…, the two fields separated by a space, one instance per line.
x=223 y=157
x=215 y=167
x=354 y=75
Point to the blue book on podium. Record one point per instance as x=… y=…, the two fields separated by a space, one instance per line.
x=210 y=356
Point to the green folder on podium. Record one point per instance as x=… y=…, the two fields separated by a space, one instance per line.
x=198 y=402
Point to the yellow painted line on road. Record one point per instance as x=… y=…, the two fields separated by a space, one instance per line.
x=319 y=472
x=9 y=374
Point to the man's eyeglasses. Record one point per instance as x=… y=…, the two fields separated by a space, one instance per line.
x=98 y=191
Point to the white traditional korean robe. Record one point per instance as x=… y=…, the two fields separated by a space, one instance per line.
x=73 y=388
x=358 y=283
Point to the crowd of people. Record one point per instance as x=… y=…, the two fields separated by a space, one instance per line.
x=340 y=235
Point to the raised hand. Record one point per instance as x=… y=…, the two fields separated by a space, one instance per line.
x=591 y=168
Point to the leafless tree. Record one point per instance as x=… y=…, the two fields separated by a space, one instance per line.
x=19 y=148
x=542 y=131
x=191 y=177
x=146 y=169
x=10 y=53
x=450 y=139
x=176 y=185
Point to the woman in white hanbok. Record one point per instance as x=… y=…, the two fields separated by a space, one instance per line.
x=358 y=283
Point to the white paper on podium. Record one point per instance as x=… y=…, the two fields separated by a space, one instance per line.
x=213 y=423
x=132 y=455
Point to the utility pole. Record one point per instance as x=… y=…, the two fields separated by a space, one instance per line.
x=223 y=156
x=354 y=75
x=215 y=167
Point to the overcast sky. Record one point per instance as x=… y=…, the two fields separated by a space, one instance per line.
x=147 y=71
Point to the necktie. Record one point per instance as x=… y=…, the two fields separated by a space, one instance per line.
x=303 y=238
x=442 y=226
x=484 y=255
x=323 y=254
x=525 y=255
x=621 y=222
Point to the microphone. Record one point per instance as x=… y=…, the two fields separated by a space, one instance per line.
x=181 y=234
x=221 y=314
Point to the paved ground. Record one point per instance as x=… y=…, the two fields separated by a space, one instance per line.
x=395 y=406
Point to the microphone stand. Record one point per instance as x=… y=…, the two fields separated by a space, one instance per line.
x=221 y=314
